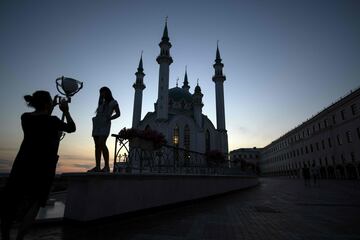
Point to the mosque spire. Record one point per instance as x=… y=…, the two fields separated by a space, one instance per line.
x=186 y=82
x=164 y=60
x=219 y=79
x=140 y=68
x=218 y=58
x=165 y=36
x=139 y=86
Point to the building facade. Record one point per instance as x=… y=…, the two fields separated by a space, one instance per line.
x=178 y=112
x=329 y=141
x=247 y=159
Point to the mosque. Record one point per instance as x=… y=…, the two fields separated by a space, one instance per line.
x=178 y=112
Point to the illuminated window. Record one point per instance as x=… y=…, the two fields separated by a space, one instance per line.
x=176 y=136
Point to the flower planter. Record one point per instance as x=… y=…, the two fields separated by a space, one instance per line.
x=141 y=143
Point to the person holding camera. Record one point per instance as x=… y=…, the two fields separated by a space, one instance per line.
x=33 y=170
x=107 y=106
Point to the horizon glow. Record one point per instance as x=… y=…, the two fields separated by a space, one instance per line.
x=284 y=61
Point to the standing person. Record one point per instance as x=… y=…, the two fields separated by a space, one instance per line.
x=107 y=105
x=33 y=170
x=314 y=173
x=306 y=175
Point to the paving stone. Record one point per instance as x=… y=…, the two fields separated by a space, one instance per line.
x=280 y=208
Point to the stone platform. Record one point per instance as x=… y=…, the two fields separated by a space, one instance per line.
x=93 y=196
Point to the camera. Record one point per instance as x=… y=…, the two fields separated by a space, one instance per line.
x=59 y=99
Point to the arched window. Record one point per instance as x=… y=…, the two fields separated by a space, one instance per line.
x=176 y=139
x=207 y=141
x=186 y=145
x=187 y=137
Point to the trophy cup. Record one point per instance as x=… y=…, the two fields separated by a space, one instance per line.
x=67 y=87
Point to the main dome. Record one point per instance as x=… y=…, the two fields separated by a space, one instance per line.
x=177 y=94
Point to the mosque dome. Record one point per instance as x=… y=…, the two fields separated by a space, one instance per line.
x=177 y=94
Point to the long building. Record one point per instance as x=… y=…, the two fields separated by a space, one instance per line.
x=329 y=141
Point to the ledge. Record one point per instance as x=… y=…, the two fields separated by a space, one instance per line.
x=93 y=196
x=87 y=176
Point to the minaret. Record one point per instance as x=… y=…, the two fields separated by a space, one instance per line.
x=139 y=86
x=198 y=105
x=164 y=60
x=186 y=86
x=219 y=79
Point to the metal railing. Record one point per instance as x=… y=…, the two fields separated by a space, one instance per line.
x=166 y=159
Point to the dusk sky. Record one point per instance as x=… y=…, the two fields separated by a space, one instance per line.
x=284 y=61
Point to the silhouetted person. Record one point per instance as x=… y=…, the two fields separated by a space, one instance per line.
x=33 y=170
x=306 y=175
x=107 y=105
x=314 y=173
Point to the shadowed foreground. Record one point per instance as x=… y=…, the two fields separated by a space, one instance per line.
x=279 y=208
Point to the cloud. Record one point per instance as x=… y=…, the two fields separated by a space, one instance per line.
x=70 y=164
x=75 y=157
x=243 y=130
x=74 y=163
x=74 y=167
x=85 y=166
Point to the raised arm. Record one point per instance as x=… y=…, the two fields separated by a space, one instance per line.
x=69 y=126
x=117 y=112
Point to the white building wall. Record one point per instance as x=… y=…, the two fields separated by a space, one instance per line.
x=287 y=155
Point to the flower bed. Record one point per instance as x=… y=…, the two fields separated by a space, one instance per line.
x=145 y=139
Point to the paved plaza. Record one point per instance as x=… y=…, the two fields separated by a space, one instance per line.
x=279 y=208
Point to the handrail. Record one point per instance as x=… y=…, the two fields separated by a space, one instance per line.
x=166 y=159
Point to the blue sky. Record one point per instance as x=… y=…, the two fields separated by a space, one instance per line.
x=284 y=61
